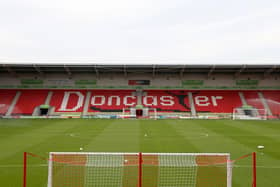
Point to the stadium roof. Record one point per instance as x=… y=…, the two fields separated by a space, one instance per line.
x=125 y=69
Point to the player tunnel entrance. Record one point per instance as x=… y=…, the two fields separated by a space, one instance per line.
x=42 y=110
x=139 y=113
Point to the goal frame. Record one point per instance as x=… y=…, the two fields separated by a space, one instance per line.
x=261 y=114
x=229 y=163
x=140 y=162
x=152 y=112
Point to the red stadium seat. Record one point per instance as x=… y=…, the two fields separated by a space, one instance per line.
x=6 y=98
x=208 y=101
x=273 y=101
x=28 y=100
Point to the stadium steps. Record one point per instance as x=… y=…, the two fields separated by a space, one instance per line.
x=86 y=105
x=193 y=110
x=13 y=104
x=49 y=97
x=263 y=100
x=242 y=98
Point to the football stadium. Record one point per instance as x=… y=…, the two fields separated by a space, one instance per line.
x=92 y=125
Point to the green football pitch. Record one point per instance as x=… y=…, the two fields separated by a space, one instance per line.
x=41 y=136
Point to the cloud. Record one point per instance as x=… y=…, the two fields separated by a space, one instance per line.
x=163 y=30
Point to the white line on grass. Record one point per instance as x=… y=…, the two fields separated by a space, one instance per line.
x=20 y=165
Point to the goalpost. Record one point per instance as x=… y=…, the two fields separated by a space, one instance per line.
x=145 y=112
x=249 y=114
x=139 y=169
x=88 y=169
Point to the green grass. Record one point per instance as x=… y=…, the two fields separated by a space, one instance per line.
x=41 y=136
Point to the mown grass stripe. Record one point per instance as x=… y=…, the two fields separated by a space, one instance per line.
x=118 y=136
x=163 y=137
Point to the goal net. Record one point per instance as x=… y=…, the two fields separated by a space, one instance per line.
x=80 y=169
x=249 y=114
x=139 y=170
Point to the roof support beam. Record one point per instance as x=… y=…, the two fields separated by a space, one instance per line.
x=154 y=70
x=239 y=71
x=182 y=71
x=37 y=69
x=124 y=70
x=96 y=71
x=211 y=71
x=67 y=70
x=269 y=71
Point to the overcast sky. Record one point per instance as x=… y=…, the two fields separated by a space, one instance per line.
x=143 y=31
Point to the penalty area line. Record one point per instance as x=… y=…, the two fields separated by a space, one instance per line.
x=20 y=165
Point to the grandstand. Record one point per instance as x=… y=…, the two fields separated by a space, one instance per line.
x=186 y=91
x=40 y=146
